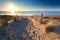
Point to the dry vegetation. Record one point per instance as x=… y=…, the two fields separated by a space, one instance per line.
x=50 y=26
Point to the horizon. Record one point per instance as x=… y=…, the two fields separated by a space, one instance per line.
x=51 y=13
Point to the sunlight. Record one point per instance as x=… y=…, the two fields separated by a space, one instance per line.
x=12 y=9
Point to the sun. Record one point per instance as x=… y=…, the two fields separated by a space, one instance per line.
x=12 y=9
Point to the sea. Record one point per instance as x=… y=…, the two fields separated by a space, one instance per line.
x=56 y=13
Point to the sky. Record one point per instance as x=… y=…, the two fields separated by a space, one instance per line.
x=31 y=5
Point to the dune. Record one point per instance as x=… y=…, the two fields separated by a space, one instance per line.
x=27 y=29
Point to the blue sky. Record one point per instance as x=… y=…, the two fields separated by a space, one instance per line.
x=45 y=4
x=34 y=3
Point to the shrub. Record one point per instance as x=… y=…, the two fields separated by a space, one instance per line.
x=49 y=29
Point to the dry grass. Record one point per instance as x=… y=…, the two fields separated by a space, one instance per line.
x=48 y=27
